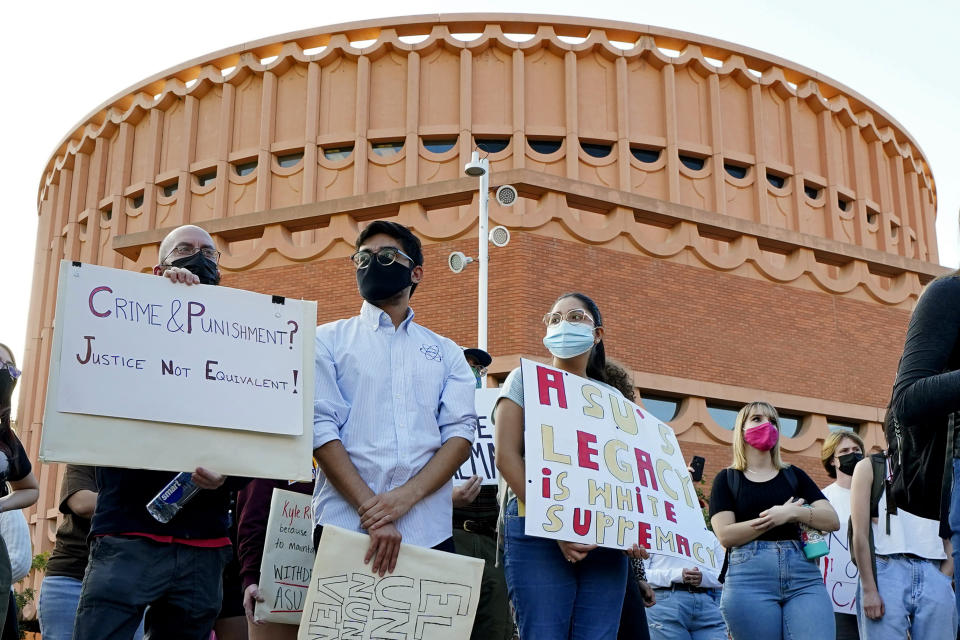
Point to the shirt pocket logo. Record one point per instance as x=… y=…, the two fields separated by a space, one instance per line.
x=431 y=352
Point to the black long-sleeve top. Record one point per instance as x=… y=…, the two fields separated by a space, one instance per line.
x=927 y=388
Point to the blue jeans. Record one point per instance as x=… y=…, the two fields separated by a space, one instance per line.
x=57 y=608
x=682 y=615
x=916 y=597
x=555 y=599
x=955 y=522
x=773 y=592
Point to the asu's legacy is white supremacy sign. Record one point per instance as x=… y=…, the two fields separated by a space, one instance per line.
x=139 y=346
x=602 y=470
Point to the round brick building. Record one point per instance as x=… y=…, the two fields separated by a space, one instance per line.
x=749 y=228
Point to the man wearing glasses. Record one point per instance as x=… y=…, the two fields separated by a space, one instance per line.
x=394 y=412
x=136 y=562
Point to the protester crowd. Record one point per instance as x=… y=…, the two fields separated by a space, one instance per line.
x=392 y=424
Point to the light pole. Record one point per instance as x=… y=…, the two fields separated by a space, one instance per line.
x=480 y=167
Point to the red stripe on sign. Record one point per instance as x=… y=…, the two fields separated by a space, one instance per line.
x=287 y=611
x=291 y=584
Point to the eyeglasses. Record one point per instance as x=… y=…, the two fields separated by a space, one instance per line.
x=185 y=251
x=385 y=256
x=574 y=316
x=11 y=369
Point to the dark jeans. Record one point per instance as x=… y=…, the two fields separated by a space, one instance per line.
x=493 y=620
x=446 y=545
x=633 y=617
x=181 y=585
x=846 y=626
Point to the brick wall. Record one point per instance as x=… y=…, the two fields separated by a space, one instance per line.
x=660 y=316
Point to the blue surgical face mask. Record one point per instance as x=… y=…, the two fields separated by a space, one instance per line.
x=567 y=340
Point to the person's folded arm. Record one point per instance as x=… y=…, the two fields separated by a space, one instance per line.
x=23 y=493
x=457 y=422
x=734 y=534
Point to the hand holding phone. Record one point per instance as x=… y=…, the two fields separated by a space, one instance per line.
x=697 y=465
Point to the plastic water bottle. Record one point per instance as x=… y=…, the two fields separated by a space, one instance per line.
x=814 y=542
x=172 y=497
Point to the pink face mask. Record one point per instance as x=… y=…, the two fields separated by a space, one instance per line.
x=762 y=437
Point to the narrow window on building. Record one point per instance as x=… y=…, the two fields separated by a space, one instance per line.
x=596 y=149
x=441 y=145
x=245 y=168
x=812 y=190
x=664 y=408
x=776 y=181
x=493 y=145
x=789 y=424
x=137 y=201
x=693 y=162
x=735 y=170
x=290 y=159
x=386 y=149
x=546 y=146
x=872 y=216
x=843 y=203
x=723 y=415
x=204 y=179
x=107 y=213
x=333 y=154
x=836 y=425
x=170 y=188
x=644 y=155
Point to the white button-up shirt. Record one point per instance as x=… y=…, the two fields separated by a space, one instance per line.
x=392 y=396
x=663 y=570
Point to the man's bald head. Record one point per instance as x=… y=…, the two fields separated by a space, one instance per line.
x=188 y=235
x=182 y=243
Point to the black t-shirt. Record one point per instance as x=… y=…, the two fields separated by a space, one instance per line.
x=756 y=497
x=13 y=468
x=70 y=552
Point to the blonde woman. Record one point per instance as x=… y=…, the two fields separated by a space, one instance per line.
x=771 y=590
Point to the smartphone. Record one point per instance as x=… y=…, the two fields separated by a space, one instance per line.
x=697 y=464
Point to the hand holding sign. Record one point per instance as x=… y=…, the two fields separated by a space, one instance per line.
x=601 y=471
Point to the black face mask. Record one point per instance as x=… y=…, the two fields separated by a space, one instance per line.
x=848 y=461
x=200 y=266
x=378 y=282
x=7 y=383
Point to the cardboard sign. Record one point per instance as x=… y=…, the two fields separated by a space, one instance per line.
x=601 y=470
x=133 y=343
x=287 y=558
x=481 y=462
x=840 y=575
x=141 y=441
x=431 y=595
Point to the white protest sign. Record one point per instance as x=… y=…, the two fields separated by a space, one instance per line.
x=601 y=470
x=133 y=343
x=840 y=575
x=481 y=461
x=145 y=372
x=431 y=595
x=287 y=558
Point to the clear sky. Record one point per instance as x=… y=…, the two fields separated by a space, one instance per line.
x=66 y=58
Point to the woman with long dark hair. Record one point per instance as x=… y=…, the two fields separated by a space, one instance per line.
x=15 y=471
x=559 y=589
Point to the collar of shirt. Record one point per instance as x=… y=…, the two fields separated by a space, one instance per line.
x=375 y=317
